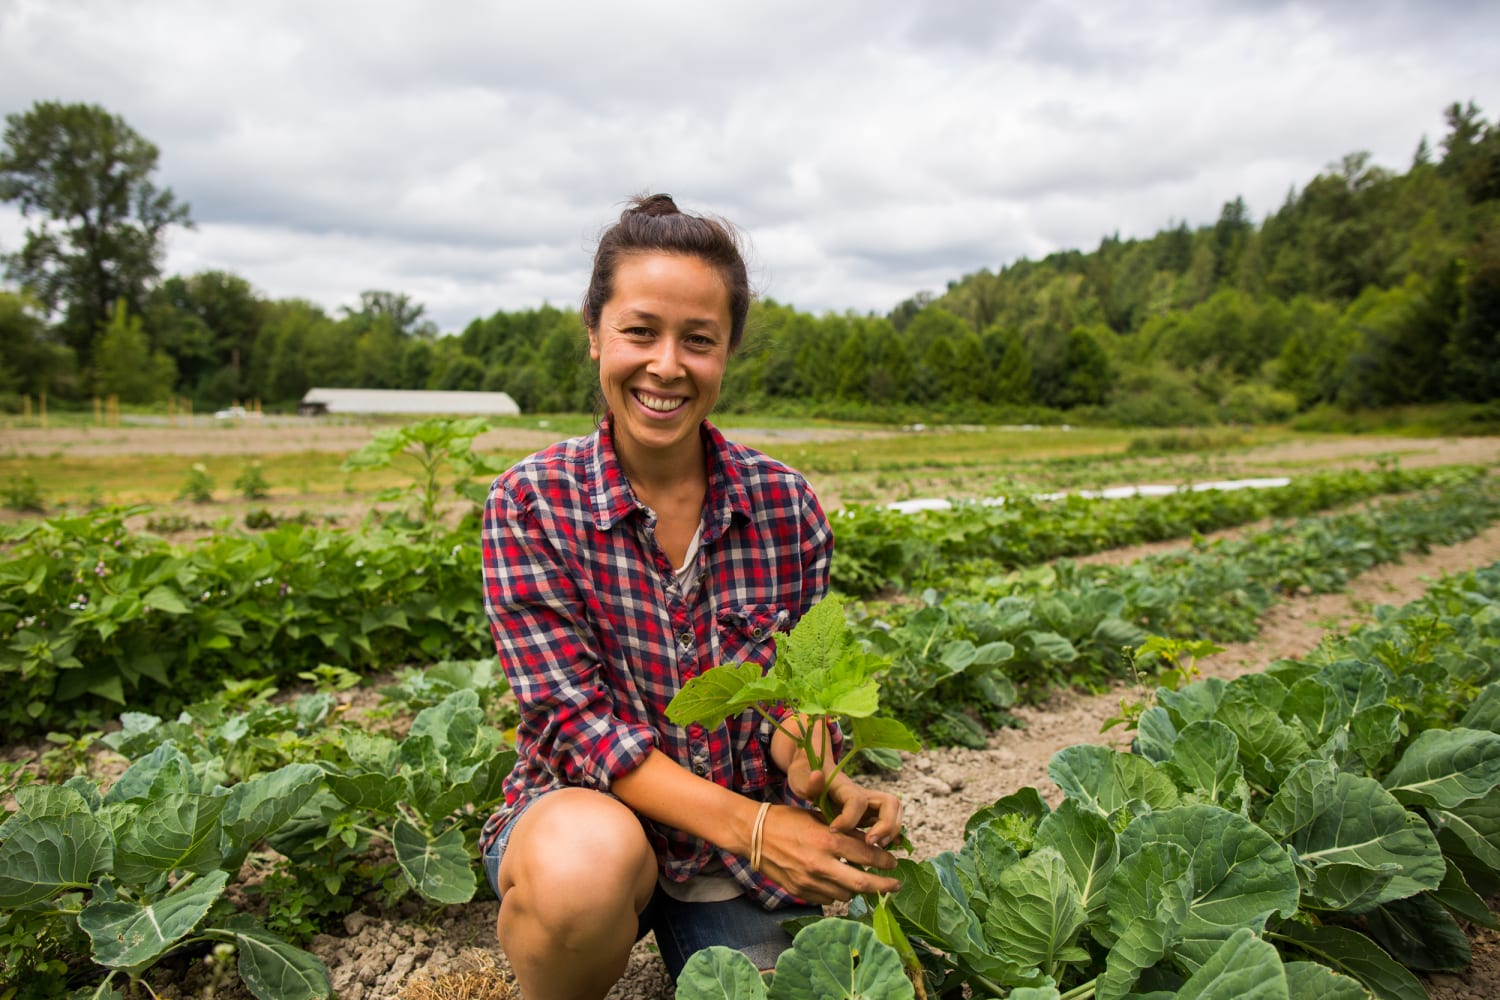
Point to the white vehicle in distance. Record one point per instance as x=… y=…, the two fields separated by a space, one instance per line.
x=237 y=413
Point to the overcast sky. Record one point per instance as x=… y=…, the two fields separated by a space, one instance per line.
x=469 y=153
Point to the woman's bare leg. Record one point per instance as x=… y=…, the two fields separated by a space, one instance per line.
x=575 y=875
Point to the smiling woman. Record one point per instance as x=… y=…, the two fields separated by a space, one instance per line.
x=617 y=567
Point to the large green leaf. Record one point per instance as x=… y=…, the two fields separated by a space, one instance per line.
x=257 y=808
x=171 y=833
x=453 y=725
x=1477 y=824
x=439 y=868
x=1241 y=877
x=1458 y=898
x=1445 y=767
x=1035 y=916
x=276 y=970
x=1313 y=979
x=1104 y=780
x=1205 y=763
x=44 y=855
x=126 y=934
x=1484 y=710
x=1155 y=734
x=1244 y=967
x=1087 y=844
x=839 y=960
x=716 y=694
x=1269 y=747
x=888 y=734
x=1147 y=901
x=162 y=771
x=376 y=792
x=720 y=973
x=1315 y=706
x=1355 y=955
x=1332 y=818
x=1420 y=934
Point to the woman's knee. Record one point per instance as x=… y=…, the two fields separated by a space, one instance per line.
x=576 y=848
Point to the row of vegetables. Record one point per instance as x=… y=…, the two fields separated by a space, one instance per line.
x=1319 y=829
x=95 y=616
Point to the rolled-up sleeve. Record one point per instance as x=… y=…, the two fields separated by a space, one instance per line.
x=549 y=653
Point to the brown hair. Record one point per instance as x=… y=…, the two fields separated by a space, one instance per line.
x=654 y=224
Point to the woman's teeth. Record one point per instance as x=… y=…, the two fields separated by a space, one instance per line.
x=657 y=403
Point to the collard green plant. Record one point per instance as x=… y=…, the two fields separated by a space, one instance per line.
x=141 y=871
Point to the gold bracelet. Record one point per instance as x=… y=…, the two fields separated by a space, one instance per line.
x=757 y=834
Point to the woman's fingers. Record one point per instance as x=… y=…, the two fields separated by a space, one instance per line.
x=809 y=859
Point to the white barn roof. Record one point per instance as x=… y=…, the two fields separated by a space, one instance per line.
x=368 y=401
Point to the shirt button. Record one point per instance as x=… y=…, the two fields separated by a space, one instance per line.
x=686 y=639
x=700 y=768
x=757 y=633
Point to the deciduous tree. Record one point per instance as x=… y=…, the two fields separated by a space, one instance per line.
x=85 y=177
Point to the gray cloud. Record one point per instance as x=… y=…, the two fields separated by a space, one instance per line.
x=470 y=155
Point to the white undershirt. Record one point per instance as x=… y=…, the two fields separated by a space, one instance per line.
x=713 y=884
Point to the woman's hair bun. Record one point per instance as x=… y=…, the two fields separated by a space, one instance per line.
x=653 y=205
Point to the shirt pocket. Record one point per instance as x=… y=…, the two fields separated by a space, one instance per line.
x=745 y=634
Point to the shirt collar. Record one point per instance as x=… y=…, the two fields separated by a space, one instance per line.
x=613 y=499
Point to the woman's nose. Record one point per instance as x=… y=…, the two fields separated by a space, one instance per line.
x=666 y=360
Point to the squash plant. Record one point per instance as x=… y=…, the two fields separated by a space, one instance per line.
x=821 y=673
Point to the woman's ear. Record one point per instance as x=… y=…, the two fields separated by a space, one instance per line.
x=594 y=344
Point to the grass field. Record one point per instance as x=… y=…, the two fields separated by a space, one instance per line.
x=146 y=460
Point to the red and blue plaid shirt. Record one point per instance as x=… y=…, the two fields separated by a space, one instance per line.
x=595 y=635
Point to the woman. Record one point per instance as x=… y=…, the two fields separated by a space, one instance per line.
x=618 y=566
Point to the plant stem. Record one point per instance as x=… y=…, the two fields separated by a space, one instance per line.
x=1083 y=992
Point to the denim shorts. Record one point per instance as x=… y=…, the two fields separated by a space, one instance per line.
x=683 y=928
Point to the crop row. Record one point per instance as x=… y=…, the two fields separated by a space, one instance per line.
x=880 y=548
x=94 y=616
x=1320 y=829
x=962 y=659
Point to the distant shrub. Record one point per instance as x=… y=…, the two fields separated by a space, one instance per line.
x=199 y=485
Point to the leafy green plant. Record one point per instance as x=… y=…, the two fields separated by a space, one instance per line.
x=438 y=446
x=426 y=796
x=251 y=482
x=141 y=870
x=1179 y=667
x=821 y=673
x=198 y=486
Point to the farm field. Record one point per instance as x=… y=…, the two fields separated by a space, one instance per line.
x=409 y=950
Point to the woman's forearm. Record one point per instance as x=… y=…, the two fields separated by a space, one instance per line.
x=662 y=790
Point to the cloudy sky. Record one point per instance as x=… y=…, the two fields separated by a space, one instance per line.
x=468 y=153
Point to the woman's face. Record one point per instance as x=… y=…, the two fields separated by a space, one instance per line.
x=662 y=343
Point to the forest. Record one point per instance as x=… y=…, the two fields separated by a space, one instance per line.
x=1366 y=289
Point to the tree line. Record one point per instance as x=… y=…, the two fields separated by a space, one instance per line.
x=1365 y=288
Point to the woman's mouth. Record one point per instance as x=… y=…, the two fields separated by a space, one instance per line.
x=658 y=404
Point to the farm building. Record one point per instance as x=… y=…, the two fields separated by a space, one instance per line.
x=367 y=402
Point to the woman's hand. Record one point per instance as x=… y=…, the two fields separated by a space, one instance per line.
x=813 y=860
x=859 y=808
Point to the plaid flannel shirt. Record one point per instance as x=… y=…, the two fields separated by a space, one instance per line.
x=595 y=636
